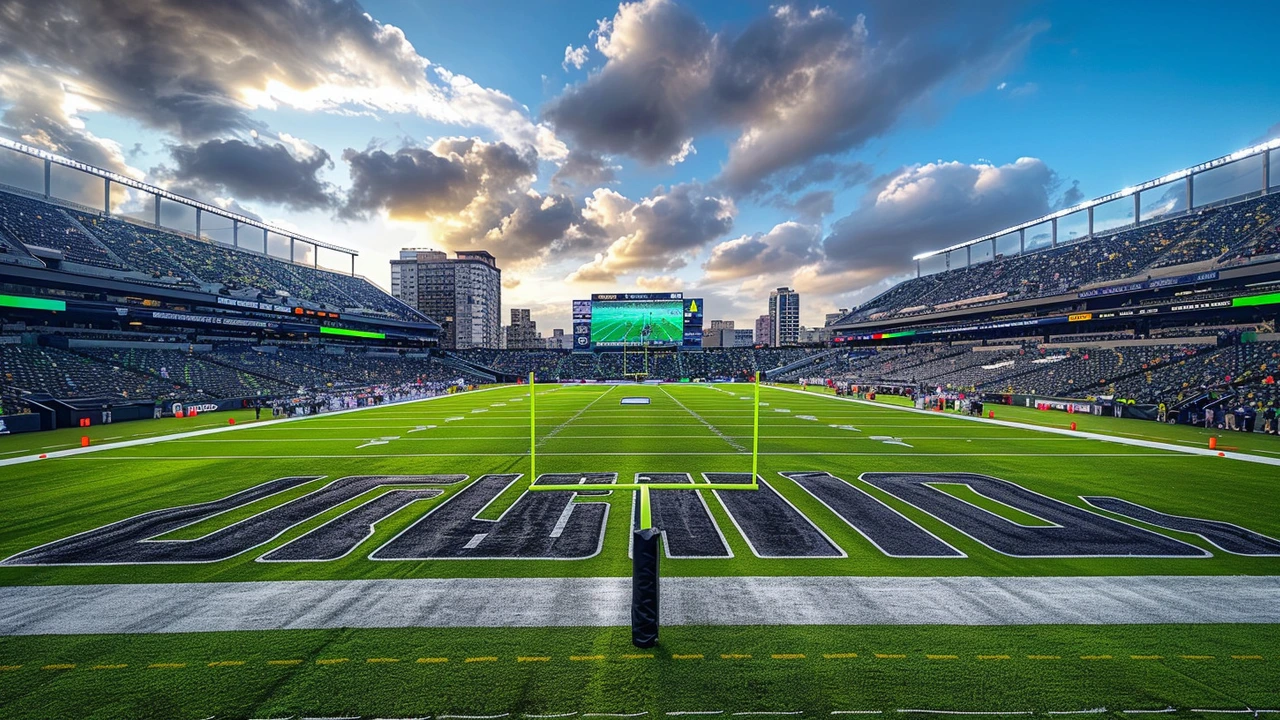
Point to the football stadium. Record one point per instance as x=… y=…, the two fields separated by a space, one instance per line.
x=1033 y=470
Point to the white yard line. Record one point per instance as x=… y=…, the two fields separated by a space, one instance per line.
x=221 y=429
x=374 y=456
x=1150 y=444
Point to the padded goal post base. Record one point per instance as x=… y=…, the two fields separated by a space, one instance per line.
x=645 y=581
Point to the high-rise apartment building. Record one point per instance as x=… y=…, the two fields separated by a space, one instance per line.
x=764 y=330
x=784 y=316
x=522 y=333
x=463 y=294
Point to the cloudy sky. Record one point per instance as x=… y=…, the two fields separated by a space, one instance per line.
x=719 y=148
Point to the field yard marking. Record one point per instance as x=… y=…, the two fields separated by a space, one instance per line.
x=1044 y=657
x=695 y=656
x=857 y=712
x=967 y=712
x=537 y=658
x=993 y=657
x=839 y=656
x=284 y=662
x=585 y=658
x=770 y=712
x=110 y=667
x=1246 y=657
x=1150 y=712
x=333 y=661
x=1096 y=657
x=9 y=668
x=734 y=656
x=1196 y=657
x=166 y=666
x=888 y=656
x=787 y=656
x=727 y=438
x=60 y=666
x=550 y=715
x=695 y=712
x=226 y=663
x=1149 y=444
x=468 y=717
x=485 y=658
x=632 y=454
x=221 y=429
x=556 y=430
x=942 y=657
x=432 y=660
x=637 y=656
x=1146 y=657
x=1090 y=711
x=382 y=660
x=617 y=715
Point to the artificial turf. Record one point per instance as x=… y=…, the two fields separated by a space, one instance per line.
x=687 y=428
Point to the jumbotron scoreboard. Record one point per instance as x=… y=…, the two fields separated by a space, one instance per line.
x=622 y=320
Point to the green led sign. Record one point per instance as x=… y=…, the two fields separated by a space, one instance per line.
x=30 y=303
x=1252 y=300
x=325 y=330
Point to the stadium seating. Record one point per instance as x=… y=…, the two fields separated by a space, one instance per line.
x=1221 y=235
x=191 y=370
x=138 y=251
x=28 y=369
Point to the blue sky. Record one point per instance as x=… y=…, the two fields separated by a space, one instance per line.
x=717 y=148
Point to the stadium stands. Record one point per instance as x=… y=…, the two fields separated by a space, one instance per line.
x=138 y=251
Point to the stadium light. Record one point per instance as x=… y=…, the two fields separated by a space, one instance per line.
x=1126 y=192
x=161 y=192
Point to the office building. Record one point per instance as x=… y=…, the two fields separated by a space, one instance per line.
x=784 y=317
x=463 y=294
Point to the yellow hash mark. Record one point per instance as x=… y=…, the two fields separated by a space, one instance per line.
x=695 y=656
x=332 y=661
x=1095 y=657
x=110 y=667
x=788 y=656
x=534 y=658
x=486 y=658
x=382 y=660
x=1246 y=657
x=284 y=662
x=60 y=666
x=582 y=658
x=433 y=660
x=840 y=656
x=735 y=656
x=1196 y=657
x=1044 y=657
x=883 y=656
x=638 y=656
x=163 y=666
x=993 y=657
x=1146 y=657
x=941 y=657
x=8 y=668
x=227 y=663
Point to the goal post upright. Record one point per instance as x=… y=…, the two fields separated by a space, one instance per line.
x=533 y=435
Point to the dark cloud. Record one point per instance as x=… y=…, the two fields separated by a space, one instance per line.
x=812 y=206
x=786 y=247
x=660 y=232
x=258 y=171
x=796 y=85
x=825 y=171
x=1071 y=197
x=926 y=207
x=583 y=169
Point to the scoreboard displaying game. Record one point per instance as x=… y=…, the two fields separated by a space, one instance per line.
x=622 y=320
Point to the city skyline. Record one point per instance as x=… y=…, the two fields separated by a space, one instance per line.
x=816 y=146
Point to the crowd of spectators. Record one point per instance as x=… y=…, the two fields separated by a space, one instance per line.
x=172 y=258
x=1241 y=230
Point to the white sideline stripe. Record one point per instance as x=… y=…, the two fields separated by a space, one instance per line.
x=373 y=456
x=219 y=429
x=145 y=608
x=1150 y=444
x=524 y=438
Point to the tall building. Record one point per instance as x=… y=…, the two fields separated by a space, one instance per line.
x=784 y=317
x=558 y=340
x=463 y=294
x=743 y=338
x=522 y=333
x=764 y=330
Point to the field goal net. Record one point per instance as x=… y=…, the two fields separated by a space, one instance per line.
x=646 y=539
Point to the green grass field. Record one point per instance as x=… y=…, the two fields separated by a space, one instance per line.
x=582 y=428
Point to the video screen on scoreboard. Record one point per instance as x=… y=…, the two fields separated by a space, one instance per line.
x=637 y=319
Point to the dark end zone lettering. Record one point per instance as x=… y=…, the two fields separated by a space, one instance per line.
x=688 y=529
x=1231 y=538
x=538 y=526
x=1075 y=532
x=772 y=527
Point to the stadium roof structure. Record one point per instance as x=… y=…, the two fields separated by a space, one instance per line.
x=1133 y=190
x=159 y=192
